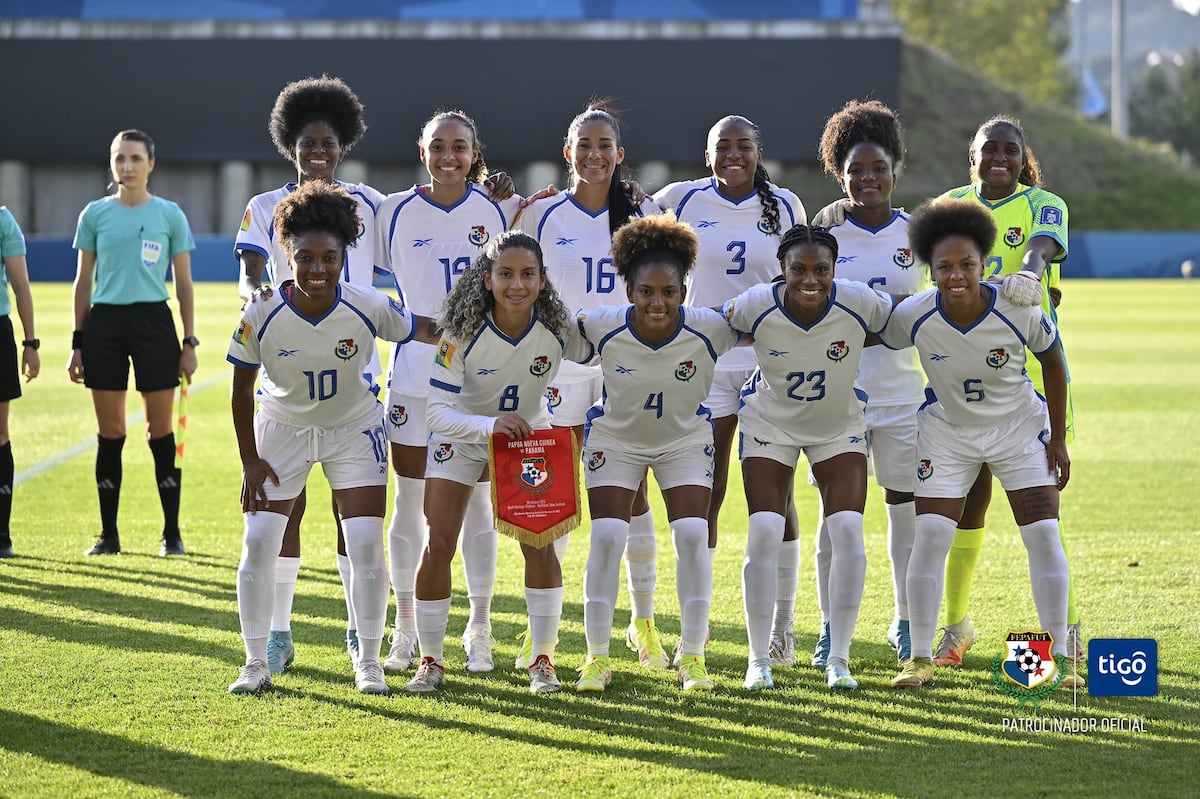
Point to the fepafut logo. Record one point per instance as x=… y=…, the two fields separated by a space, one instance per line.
x=1122 y=667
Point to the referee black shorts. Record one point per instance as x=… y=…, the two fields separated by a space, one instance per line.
x=143 y=332
x=10 y=375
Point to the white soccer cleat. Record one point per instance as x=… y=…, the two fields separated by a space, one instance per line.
x=783 y=648
x=430 y=677
x=477 y=643
x=957 y=639
x=543 y=679
x=403 y=651
x=368 y=678
x=254 y=678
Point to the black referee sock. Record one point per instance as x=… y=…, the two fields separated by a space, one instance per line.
x=168 y=479
x=6 y=493
x=108 y=482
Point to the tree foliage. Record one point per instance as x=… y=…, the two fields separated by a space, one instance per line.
x=1164 y=104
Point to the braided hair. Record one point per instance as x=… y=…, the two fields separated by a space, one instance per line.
x=859 y=122
x=317 y=206
x=807 y=234
x=478 y=172
x=463 y=309
x=311 y=99
x=938 y=219
x=660 y=239
x=620 y=207
x=1031 y=170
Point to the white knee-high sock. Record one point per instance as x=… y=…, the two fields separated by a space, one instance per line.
x=693 y=581
x=343 y=567
x=641 y=552
x=261 y=538
x=433 y=615
x=545 y=614
x=1049 y=577
x=601 y=581
x=787 y=577
x=479 y=546
x=368 y=581
x=561 y=545
x=847 y=573
x=926 y=579
x=406 y=538
x=758 y=579
x=821 y=563
x=902 y=531
x=286 y=571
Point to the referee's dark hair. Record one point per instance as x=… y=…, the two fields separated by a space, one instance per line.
x=318 y=206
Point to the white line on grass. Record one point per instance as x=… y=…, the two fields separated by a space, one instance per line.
x=90 y=443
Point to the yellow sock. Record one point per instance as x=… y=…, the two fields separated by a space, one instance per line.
x=960 y=571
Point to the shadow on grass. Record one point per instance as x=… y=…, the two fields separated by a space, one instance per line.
x=180 y=773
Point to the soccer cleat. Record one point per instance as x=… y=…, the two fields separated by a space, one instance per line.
x=403 y=652
x=758 y=676
x=1073 y=680
x=957 y=639
x=542 y=677
x=171 y=546
x=594 y=675
x=642 y=637
x=783 y=648
x=1075 y=643
x=368 y=678
x=352 y=646
x=6 y=550
x=253 y=678
x=430 y=677
x=677 y=660
x=106 y=545
x=477 y=643
x=837 y=674
x=899 y=639
x=821 y=652
x=694 y=674
x=914 y=673
x=281 y=653
x=525 y=654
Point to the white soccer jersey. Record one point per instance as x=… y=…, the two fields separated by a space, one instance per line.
x=476 y=381
x=313 y=368
x=803 y=391
x=977 y=374
x=653 y=395
x=426 y=247
x=257 y=233
x=881 y=258
x=577 y=249
x=735 y=250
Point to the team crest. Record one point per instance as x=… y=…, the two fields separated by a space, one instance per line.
x=924 y=469
x=997 y=358
x=478 y=235
x=553 y=397
x=767 y=227
x=685 y=371
x=1014 y=237
x=398 y=415
x=535 y=474
x=596 y=461
x=1026 y=669
x=346 y=349
x=837 y=351
x=444 y=452
x=903 y=257
x=540 y=365
x=242 y=334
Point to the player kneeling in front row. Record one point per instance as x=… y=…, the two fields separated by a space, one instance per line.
x=312 y=340
x=506 y=333
x=972 y=344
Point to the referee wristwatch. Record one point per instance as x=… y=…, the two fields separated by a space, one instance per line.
x=191 y=341
x=32 y=342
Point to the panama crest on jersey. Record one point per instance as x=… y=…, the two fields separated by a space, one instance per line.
x=903 y=257
x=540 y=365
x=398 y=415
x=595 y=461
x=924 y=469
x=1014 y=237
x=767 y=227
x=535 y=474
x=443 y=452
x=685 y=371
x=478 y=235
x=837 y=351
x=345 y=349
x=997 y=358
x=553 y=397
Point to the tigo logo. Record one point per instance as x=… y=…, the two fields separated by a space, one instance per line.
x=1123 y=667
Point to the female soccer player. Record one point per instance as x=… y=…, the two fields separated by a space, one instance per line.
x=575 y=229
x=738 y=215
x=809 y=332
x=505 y=334
x=862 y=148
x=972 y=342
x=125 y=243
x=429 y=236
x=14 y=272
x=312 y=341
x=658 y=360
x=1031 y=240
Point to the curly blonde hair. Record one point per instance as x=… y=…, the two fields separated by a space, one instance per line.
x=464 y=307
x=660 y=238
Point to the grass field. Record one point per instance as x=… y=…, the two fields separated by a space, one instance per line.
x=113 y=671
